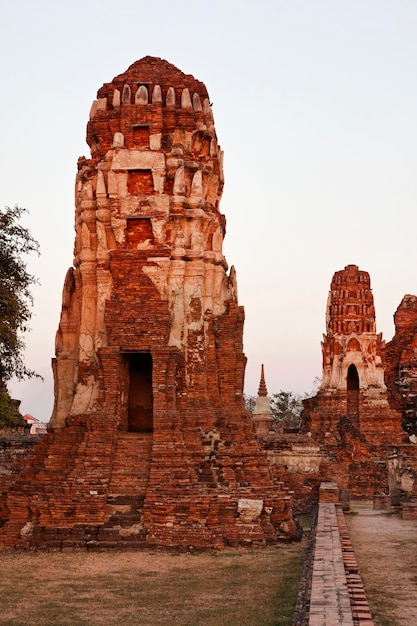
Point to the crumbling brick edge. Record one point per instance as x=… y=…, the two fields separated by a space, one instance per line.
x=302 y=606
x=359 y=608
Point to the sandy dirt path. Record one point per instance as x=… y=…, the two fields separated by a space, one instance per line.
x=386 y=551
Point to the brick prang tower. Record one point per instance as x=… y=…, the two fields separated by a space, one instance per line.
x=353 y=388
x=149 y=442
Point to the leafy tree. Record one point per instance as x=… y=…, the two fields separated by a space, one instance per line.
x=286 y=407
x=9 y=411
x=15 y=299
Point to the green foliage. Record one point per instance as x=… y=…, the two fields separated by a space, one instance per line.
x=286 y=407
x=15 y=296
x=9 y=414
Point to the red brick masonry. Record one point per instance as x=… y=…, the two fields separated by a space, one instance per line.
x=149 y=443
x=337 y=593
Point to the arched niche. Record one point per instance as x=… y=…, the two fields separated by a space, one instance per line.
x=352 y=378
x=353 y=395
x=353 y=346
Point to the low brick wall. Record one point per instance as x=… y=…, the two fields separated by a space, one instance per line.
x=331 y=592
x=13 y=447
x=409 y=510
x=329 y=601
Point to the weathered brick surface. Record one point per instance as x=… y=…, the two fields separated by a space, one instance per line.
x=400 y=360
x=149 y=443
x=352 y=402
x=351 y=417
x=358 y=430
x=328 y=493
x=337 y=595
x=15 y=446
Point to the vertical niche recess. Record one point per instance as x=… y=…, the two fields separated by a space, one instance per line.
x=139 y=393
x=353 y=395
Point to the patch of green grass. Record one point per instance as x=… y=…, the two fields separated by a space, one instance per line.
x=306 y=522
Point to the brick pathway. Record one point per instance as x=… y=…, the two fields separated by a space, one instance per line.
x=337 y=594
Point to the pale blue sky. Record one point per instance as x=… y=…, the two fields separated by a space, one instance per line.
x=315 y=106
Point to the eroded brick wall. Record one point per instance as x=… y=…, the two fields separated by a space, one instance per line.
x=149 y=362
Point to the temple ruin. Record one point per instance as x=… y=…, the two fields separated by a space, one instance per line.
x=353 y=394
x=149 y=442
x=359 y=429
x=400 y=359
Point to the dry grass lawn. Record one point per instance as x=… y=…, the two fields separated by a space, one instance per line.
x=237 y=587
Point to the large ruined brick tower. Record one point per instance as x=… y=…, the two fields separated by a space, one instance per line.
x=149 y=442
x=353 y=393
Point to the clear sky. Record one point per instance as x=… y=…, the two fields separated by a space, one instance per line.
x=315 y=106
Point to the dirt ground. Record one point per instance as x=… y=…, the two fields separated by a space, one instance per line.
x=143 y=588
x=386 y=549
x=245 y=588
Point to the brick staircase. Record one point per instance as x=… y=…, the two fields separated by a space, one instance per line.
x=126 y=493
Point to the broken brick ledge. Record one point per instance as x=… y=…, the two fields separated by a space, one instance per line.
x=331 y=591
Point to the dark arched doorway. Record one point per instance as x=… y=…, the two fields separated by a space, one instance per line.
x=353 y=395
